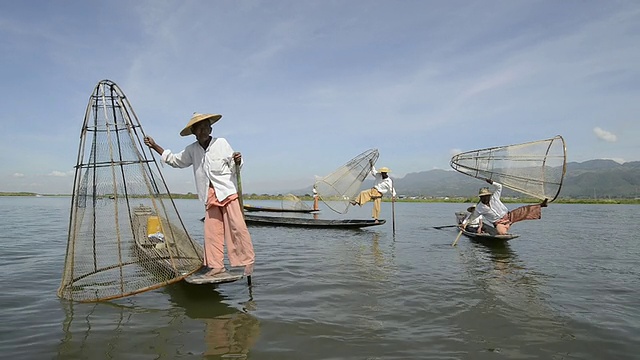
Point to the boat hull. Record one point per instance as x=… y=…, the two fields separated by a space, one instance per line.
x=309 y=222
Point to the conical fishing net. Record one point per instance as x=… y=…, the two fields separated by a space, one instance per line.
x=292 y=202
x=535 y=168
x=125 y=233
x=343 y=185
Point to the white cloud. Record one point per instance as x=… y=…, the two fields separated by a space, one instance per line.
x=60 y=173
x=18 y=175
x=605 y=135
x=454 y=151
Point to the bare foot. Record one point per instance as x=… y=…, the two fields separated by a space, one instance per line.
x=215 y=272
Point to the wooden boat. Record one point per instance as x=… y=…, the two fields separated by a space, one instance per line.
x=489 y=233
x=200 y=278
x=309 y=222
x=161 y=253
x=274 y=209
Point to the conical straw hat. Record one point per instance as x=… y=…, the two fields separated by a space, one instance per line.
x=213 y=118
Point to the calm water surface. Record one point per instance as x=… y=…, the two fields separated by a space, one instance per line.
x=567 y=288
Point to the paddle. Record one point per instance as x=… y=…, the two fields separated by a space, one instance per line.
x=444 y=226
x=239 y=181
x=457 y=237
x=393 y=214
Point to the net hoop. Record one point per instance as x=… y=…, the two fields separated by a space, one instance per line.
x=125 y=233
x=535 y=168
x=337 y=189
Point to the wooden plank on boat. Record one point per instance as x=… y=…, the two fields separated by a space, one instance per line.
x=309 y=222
x=200 y=277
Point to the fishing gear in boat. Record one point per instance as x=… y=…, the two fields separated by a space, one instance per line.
x=534 y=168
x=125 y=234
x=343 y=185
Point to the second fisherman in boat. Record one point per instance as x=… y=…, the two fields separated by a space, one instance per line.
x=494 y=211
x=474 y=226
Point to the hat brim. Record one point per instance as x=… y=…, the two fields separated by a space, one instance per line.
x=212 y=118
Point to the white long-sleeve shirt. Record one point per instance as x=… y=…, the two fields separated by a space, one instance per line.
x=382 y=185
x=214 y=165
x=492 y=212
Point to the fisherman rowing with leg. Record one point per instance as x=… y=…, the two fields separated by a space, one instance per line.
x=494 y=211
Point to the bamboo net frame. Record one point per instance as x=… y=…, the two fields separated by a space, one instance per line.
x=343 y=185
x=535 y=168
x=125 y=233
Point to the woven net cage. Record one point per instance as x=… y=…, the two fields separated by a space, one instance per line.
x=292 y=202
x=343 y=185
x=535 y=168
x=125 y=233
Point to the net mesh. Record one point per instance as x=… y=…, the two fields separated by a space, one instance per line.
x=343 y=185
x=535 y=168
x=125 y=233
x=292 y=202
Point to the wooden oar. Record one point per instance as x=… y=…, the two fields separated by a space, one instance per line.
x=393 y=214
x=457 y=237
x=444 y=226
x=239 y=181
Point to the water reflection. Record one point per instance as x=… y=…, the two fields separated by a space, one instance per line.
x=512 y=294
x=197 y=320
x=228 y=332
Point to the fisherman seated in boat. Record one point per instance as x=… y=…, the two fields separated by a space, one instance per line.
x=475 y=225
x=494 y=211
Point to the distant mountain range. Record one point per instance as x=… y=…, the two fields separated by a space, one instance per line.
x=593 y=179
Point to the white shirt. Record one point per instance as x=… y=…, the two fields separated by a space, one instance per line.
x=382 y=185
x=214 y=165
x=472 y=222
x=492 y=212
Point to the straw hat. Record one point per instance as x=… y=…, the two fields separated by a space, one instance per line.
x=384 y=170
x=484 y=192
x=196 y=118
x=471 y=208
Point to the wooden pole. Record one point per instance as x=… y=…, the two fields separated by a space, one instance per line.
x=457 y=237
x=239 y=181
x=393 y=214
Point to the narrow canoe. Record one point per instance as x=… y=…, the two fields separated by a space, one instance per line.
x=309 y=222
x=274 y=209
x=489 y=234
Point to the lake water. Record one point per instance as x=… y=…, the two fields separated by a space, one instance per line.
x=567 y=288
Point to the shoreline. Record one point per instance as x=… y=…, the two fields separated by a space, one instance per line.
x=459 y=200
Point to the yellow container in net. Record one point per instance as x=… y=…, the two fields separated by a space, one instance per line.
x=153 y=225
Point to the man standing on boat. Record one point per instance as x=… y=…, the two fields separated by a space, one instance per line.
x=494 y=211
x=214 y=164
x=382 y=185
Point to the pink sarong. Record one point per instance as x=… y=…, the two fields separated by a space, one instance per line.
x=224 y=224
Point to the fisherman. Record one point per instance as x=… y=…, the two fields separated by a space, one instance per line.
x=476 y=225
x=494 y=211
x=381 y=186
x=214 y=162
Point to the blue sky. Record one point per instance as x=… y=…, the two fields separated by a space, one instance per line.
x=304 y=86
